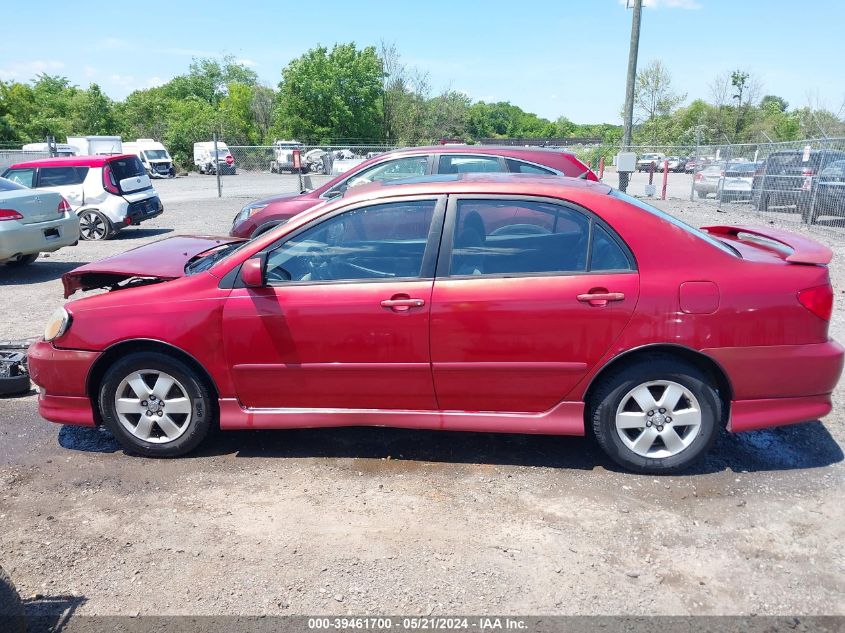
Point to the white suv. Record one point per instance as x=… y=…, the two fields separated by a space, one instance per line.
x=108 y=193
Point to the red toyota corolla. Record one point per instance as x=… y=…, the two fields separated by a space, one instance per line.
x=520 y=304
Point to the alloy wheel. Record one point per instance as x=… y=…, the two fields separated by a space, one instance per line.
x=92 y=226
x=658 y=419
x=153 y=406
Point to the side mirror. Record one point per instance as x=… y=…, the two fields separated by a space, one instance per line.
x=252 y=271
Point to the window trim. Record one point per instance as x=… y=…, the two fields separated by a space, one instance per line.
x=326 y=195
x=444 y=260
x=429 y=260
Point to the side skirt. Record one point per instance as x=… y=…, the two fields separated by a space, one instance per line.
x=566 y=418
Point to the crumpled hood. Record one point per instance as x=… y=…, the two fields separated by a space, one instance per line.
x=164 y=260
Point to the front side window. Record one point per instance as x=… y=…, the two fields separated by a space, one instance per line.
x=462 y=164
x=385 y=241
x=408 y=167
x=25 y=177
x=61 y=176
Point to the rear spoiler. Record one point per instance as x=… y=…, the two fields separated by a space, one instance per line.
x=804 y=250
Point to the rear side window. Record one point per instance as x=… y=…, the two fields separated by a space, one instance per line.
x=127 y=167
x=61 y=176
x=25 y=177
x=519 y=167
x=503 y=237
x=460 y=164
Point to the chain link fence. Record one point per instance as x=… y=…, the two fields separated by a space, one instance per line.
x=314 y=159
x=789 y=184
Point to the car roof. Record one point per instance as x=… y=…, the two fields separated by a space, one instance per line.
x=70 y=161
x=453 y=148
x=480 y=183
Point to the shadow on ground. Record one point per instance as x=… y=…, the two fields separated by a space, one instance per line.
x=799 y=446
x=50 y=614
x=38 y=272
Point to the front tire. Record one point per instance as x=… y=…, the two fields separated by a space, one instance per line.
x=94 y=226
x=657 y=417
x=156 y=405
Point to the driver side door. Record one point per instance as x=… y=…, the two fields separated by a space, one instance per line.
x=343 y=321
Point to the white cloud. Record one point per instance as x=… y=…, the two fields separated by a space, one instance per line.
x=23 y=71
x=249 y=63
x=667 y=4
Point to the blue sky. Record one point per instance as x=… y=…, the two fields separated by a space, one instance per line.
x=550 y=57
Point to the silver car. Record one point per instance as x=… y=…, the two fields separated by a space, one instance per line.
x=33 y=222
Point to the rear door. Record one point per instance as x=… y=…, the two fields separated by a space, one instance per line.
x=131 y=178
x=529 y=295
x=66 y=180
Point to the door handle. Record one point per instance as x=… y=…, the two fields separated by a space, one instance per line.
x=402 y=304
x=600 y=298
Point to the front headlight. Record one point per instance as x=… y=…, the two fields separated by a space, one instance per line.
x=57 y=324
x=247 y=212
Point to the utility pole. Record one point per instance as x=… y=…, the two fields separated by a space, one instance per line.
x=629 y=87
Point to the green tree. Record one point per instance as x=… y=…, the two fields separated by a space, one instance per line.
x=332 y=94
x=92 y=112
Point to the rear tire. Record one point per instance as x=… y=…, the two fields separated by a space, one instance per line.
x=156 y=405
x=657 y=416
x=94 y=226
x=23 y=260
x=701 y=194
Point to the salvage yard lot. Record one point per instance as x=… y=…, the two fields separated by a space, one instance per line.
x=392 y=521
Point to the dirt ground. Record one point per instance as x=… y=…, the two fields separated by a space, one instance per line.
x=375 y=521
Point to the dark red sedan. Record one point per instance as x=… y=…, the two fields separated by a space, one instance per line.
x=263 y=215
x=519 y=304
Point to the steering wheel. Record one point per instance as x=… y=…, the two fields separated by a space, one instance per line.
x=521 y=229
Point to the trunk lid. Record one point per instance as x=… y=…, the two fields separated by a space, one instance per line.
x=35 y=206
x=163 y=260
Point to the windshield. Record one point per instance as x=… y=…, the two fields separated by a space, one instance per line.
x=207 y=259
x=156 y=154
x=673 y=220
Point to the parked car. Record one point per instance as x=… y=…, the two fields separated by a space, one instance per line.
x=736 y=185
x=677 y=164
x=154 y=157
x=108 y=193
x=263 y=215
x=207 y=162
x=32 y=222
x=830 y=192
x=649 y=161
x=707 y=180
x=787 y=181
x=467 y=302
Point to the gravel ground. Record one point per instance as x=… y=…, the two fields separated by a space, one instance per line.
x=392 y=521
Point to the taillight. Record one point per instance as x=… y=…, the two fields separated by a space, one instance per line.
x=808 y=179
x=9 y=214
x=698 y=176
x=108 y=180
x=64 y=207
x=818 y=300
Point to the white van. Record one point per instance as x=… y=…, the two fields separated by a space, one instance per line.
x=96 y=145
x=207 y=163
x=61 y=149
x=153 y=155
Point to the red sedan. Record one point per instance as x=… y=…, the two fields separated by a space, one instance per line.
x=262 y=215
x=519 y=304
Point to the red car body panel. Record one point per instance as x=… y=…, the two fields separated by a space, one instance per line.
x=286 y=206
x=511 y=354
x=164 y=260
